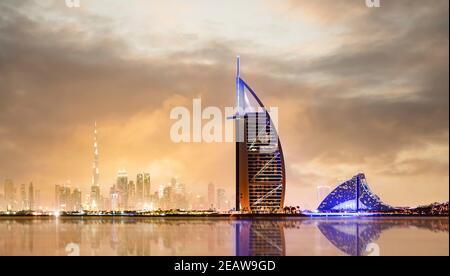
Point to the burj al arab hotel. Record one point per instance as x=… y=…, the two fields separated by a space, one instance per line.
x=260 y=165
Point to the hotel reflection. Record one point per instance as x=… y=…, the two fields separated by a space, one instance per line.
x=221 y=237
x=260 y=238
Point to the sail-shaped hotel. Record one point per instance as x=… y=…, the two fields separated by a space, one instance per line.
x=260 y=165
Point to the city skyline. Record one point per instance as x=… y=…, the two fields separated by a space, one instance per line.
x=240 y=131
x=362 y=90
x=70 y=198
x=126 y=193
x=170 y=196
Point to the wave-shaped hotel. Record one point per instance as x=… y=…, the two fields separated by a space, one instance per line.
x=260 y=165
x=353 y=195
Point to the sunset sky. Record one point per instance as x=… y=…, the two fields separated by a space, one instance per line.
x=358 y=89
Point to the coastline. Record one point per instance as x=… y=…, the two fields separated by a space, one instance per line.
x=229 y=216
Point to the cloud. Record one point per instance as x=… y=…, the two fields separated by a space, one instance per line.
x=380 y=92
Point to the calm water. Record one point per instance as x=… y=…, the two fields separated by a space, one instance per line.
x=173 y=236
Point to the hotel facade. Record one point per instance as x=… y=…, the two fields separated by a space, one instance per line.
x=260 y=164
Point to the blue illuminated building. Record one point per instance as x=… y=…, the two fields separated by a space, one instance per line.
x=344 y=198
x=355 y=241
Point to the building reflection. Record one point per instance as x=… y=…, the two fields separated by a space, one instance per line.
x=260 y=238
x=354 y=236
x=197 y=237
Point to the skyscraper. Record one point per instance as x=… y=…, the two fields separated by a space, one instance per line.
x=122 y=187
x=76 y=201
x=143 y=194
x=37 y=200
x=95 y=172
x=56 y=206
x=140 y=188
x=260 y=167
x=179 y=195
x=63 y=198
x=2 y=200
x=211 y=195
x=95 y=203
x=147 y=186
x=131 y=195
x=68 y=199
x=10 y=195
x=161 y=191
x=31 y=196
x=23 y=197
x=221 y=200
x=167 y=200
x=114 y=198
x=180 y=189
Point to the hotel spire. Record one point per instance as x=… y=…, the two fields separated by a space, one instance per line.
x=240 y=97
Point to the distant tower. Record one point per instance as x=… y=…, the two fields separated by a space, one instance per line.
x=122 y=187
x=37 y=199
x=23 y=197
x=147 y=186
x=114 y=197
x=211 y=195
x=131 y=194
x=31 y=196
x=221 y=200
x=76 y=201
x=96 y=173
x=95 y=188
x=10 y=194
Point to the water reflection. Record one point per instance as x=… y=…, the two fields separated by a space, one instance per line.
x=260 y=238
x=263 y=237
x=354 y=236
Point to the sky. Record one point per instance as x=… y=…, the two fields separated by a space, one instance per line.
x=358 y=90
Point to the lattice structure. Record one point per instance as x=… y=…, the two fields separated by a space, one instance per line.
x=344 y=198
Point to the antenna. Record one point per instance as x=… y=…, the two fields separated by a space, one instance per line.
x=240 y=102
x=238 y=66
